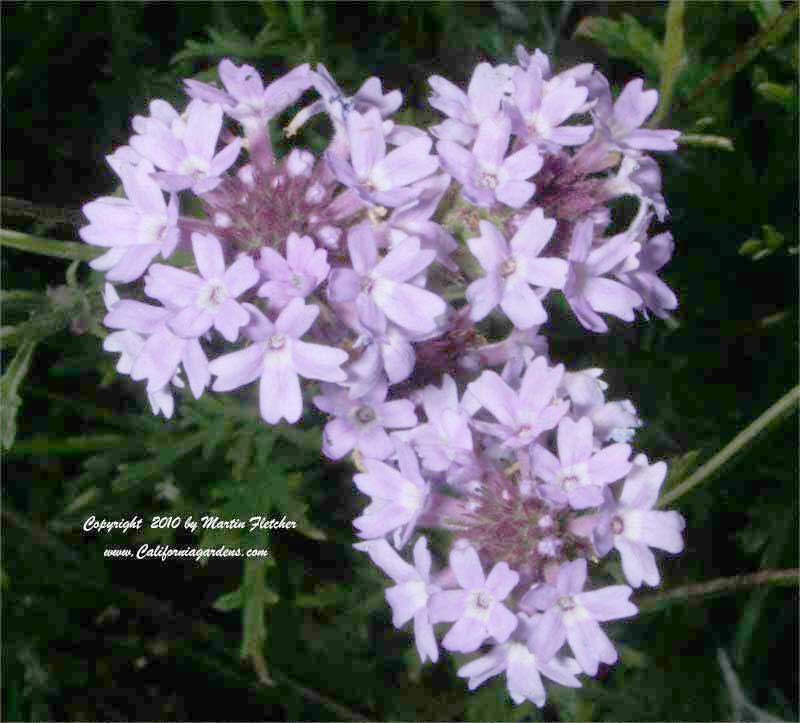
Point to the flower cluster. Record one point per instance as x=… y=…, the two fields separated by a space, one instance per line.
x=371 y=269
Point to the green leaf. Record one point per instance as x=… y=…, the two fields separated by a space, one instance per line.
x=626 y=39
x=47 y=247
x=9 y=388
x=295 y=509
x=220 y=44
x=256 y=597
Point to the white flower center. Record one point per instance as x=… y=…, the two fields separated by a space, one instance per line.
x=150 y=229
x=617 y=525
x=573 y=477
x=277 y=341
x=211 y=296
x=364 y=415
x=193 y=166
x=479 y=604
x=508 y=267
x=488 y=180
x=566 y=603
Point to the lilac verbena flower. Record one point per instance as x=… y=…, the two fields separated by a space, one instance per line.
x=573 y=615
x=632 y=526
x=523 y=668
x=135 y=229
x=638 y=176
x=512 y=268
x=487 y=175
x=206 y=300
x=578 y=475
x=334 y=102
x=362 y=423
x=279 y=357
x=445 y=438
x=521 y=416
x=390 y=354
x=657 y=296
x=163 y=350
x=587 y=290
x=380 y=289
x=514 y=457
x=580 y=72
x=161 y=113
x=540 y=111
x=413 y=219
x=296 y=276
x=513 y=353
x=409 y=597
x=377 y=177
x=615 y=421
x=191 y=161
x=623 y=122
x=129 y=345
x=585 y=390
x=246 y=99
x=466 y=111
x=476 y=609
x=398 y=498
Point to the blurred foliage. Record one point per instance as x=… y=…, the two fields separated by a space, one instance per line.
x=306 y=633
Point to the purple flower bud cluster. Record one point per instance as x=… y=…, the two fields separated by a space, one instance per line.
x=345 y=269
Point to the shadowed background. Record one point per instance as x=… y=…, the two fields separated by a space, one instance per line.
x=86 y=638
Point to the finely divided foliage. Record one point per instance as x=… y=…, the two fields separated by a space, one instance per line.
x=346 y=270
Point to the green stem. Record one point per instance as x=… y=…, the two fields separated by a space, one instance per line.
x=672 y=62
x=65 y=446
x=47 y=247
x=739 y=442
x=720 y=585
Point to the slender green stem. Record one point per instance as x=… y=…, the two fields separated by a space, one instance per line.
x=739 y=442
x=672 y=62
x=65 y=446
x=47 y=247
x=720 y=585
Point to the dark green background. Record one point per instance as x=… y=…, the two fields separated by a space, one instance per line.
x=88 y=639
